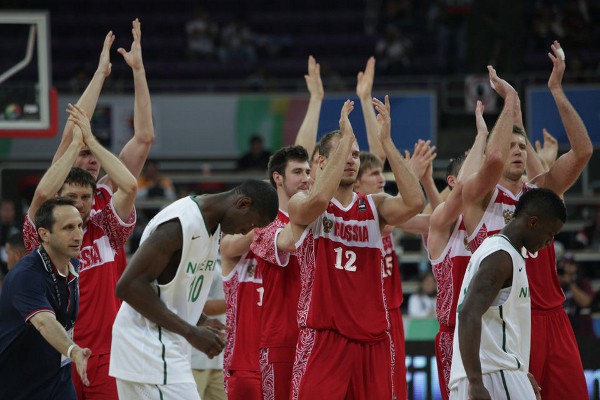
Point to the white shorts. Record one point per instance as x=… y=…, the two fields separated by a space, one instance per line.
x=502 y=385
x=147 y=391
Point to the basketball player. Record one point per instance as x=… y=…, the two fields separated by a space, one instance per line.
x=344 y=346
x=489 y=199
x=491 y=346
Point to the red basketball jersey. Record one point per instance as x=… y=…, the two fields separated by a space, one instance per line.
x=449 y=270
x=546 y=292
x=243 y=296
x=392 y=282
x=102 y=197
x=341 y=256
x=281 y=279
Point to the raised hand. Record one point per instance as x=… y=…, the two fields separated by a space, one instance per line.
x=207 y=340
x=479 y=120
x=549 y=151
x=364 y=80
x=133 y=57
x=313 y=79
x=558 y=69
x=383 y=117
x=77 y=136
x=422 y=158
x=104 y=65
x=81 y=121
x=345 y=126
x=501 y=87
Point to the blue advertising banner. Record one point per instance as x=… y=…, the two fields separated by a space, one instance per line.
x=542 y=112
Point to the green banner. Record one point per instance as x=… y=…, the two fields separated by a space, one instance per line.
x=262 y=116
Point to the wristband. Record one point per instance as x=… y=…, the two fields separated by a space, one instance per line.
x=71 y=347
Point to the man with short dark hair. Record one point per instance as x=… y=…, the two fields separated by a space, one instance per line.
x=38 y=308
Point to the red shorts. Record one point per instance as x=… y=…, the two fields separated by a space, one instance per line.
x=243 y=385
x=276 y=369
x=101 y=386
x=443 y=358
x=554 y=361
x=330 y=366
x=397 y=333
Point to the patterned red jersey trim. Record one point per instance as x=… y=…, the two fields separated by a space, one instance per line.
x=392 y=281
x=281 y=280
x=243 y=296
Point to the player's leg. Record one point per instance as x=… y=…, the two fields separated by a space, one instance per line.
x=276 y=366
x=397 y=332
x=201 y=377
x=564 y=377
x=215 y=390
x=539 y=346
x=443 y=358
x=244 y=385
x=323 y=364
x=372 y=372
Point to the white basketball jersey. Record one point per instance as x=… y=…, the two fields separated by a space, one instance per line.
x=506 y=325
x=144 y=352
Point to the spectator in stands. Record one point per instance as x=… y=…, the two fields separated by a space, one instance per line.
x=80 y=79
x=422 y=303
x=256 y=158
x=15 y=250
x=335 y=81
x=8 y=226
x=449 y=21
x=257 y=80
x=546 y=25
x=589 y=237
x=153 y=184
x=579 y=295
x=237 y=42
x=394 y=51
x=202 y=35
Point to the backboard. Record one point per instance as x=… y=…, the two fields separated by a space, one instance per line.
x=27 y=101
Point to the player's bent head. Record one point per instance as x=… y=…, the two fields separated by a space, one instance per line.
x=80 y=177
x=256 y=205
x=279 y=160
x=45 y=216
x=544 y=214
x=543 y=203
